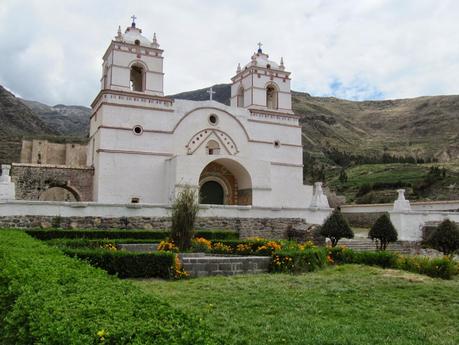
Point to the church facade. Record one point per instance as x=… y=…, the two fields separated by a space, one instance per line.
x=145 y=147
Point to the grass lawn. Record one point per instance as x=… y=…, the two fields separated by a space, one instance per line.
x=343 y=305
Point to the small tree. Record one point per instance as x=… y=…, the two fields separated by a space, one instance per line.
x=184 y=211
x=383 y=232
x=445 y=237
x=336 y=227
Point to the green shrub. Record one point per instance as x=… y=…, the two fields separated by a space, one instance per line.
x=444 y=268
x=128 y=264
x=297 y=261
x=336 y=227
x=48 y=298
x=445 y=237
x=184 y=211
x=383 y=232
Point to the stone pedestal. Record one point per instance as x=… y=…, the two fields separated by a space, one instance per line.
x=401 y=204
x=7 y=188
x=319 y=199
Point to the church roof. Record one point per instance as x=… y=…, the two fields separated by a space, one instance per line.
x=132 y=35
x=261 y=59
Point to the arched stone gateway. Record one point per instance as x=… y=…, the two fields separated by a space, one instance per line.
x=225 y=182
x=58 y=193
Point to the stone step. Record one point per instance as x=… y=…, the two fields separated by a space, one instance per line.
x=369 y=245
x=201 y=265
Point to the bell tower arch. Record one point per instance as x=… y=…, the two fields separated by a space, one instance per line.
x=262 y=84
x=133 y=63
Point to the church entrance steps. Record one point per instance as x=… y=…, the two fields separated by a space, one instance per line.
x=201 y=265
x=367 y=244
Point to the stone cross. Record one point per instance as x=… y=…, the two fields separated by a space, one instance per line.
x=259 y=44
x=133 y=18
x=211 y=92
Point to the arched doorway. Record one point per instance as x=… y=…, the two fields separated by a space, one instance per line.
x=59 y=194
x=211 y=192
x=225 y=181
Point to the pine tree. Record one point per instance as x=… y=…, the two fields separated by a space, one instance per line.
x=336 y=227
x=445 y=237
x=383 y=232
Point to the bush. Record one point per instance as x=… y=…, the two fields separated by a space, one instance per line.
x=48 y=298
x=184 y=211
x=154 y=236
x=128 y=264
x=445 y=238
x=336 y=227
x=296 y=261
x=383 y=232
x=443 y=268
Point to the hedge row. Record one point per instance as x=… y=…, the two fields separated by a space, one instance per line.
x=48 y=234
x=128 y=264
x=314 y=258
x=442 y=267
x=94 y=243
x=48 y=298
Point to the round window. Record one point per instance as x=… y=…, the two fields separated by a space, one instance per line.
x=138 y=130
x=213 y=119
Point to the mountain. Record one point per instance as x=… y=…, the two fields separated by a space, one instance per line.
x=424 y=128
x=68 y=120
x=17 y=121
x=334 y=130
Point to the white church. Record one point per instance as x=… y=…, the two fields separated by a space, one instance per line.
x=145 y=147
x=246 y=159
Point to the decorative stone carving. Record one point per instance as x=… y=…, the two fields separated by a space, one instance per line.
x=319 y=199
x=401 y=204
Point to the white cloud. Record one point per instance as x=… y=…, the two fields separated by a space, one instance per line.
x=358 y=49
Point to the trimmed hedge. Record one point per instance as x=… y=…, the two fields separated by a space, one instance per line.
x=48 y=298
x=128 y=264
x=444 y=267
x=49 y=234
x=94 y=243
x=311 y=259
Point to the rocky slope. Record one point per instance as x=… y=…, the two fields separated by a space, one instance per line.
x=424 y=127
x=68 y=120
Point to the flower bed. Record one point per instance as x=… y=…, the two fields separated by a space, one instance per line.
x=48 y=298
x=297 y=261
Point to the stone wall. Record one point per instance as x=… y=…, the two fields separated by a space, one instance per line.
x=362 y=220
x=199 y=265
x=33 y=179
x=44 y=152
x=275 y=228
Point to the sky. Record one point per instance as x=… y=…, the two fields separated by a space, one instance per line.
x=51 y=51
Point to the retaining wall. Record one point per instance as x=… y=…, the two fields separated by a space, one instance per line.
x=247 y=220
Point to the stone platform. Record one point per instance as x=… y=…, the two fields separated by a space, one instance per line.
x=201 y=265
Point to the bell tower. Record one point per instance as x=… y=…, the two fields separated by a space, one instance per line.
x=133 y=63
x=262 y=84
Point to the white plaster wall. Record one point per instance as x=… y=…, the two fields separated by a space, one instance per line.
x=415 y=206
x=287 y=187
x=140 y=159
x=125 y=176
x=409 y=224
x=83 y=209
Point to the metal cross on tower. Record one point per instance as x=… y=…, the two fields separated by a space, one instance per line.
x=259 y=44
x=211 y=92
x=133 y=18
